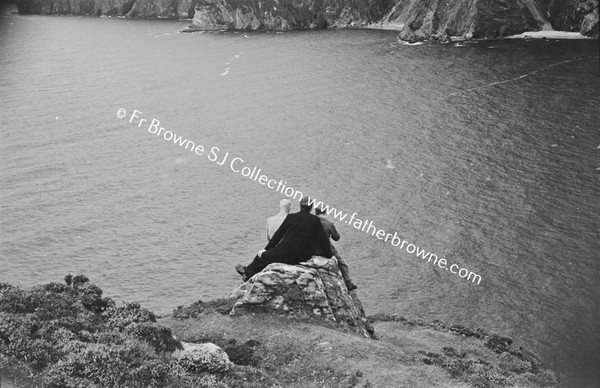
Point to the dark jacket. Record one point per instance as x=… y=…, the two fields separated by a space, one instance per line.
x=302 y=231
x=330 y=232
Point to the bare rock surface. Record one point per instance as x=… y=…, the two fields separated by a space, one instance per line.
x=311 y=289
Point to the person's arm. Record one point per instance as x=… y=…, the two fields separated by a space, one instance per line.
x=334 y=233
x=279 y=234
x=268 y=236
x=322 y=240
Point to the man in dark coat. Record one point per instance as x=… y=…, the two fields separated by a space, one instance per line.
x=331 y=232
x=302 y=232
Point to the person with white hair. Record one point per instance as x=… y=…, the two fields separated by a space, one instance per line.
x=273 y=223
x=292 y=243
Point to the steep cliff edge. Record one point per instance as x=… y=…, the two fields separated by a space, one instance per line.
x=416 y=19
x=486 y=19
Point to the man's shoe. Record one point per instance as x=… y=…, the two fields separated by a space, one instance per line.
x=241 y=269
x=351 y=286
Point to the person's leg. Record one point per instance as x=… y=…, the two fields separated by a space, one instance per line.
x=345 y=271
x=255 y=267
x=343 y=267
x=259 y=263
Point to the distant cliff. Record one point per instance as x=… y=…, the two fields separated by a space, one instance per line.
x=171 y=9
x=422 y=19
x=417 y=19
x=287 y=15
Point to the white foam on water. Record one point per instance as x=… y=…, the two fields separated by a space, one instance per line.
x=548 y=35
x=409 y=43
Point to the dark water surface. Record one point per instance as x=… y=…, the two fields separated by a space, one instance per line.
x=502 y=179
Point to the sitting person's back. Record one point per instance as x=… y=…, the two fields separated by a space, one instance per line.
x=292 y=243
x=331 y=232
x=301 y=235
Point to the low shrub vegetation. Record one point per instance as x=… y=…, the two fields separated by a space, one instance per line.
x=516 y=367
x=68 y=335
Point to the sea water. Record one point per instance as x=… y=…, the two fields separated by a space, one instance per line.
x=485 y=153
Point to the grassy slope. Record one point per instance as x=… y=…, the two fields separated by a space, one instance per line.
x=317 y=354
x=302 y=354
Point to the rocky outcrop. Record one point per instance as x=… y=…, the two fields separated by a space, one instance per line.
x=311 y=289
x=486 y=19
x=574 y=15
x=591 y=24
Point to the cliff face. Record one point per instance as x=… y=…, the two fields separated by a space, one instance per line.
x=422 y=19
x=259 y=14
x=285 y=15
x=417 y=19
x=225 y=14
x=172 y=9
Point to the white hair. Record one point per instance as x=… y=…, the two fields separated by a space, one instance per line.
x=285 y=204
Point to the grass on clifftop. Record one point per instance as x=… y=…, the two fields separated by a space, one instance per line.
x=68 y=335
x=317 y=353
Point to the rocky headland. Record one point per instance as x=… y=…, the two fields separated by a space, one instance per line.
x=414 y=19
x=288 y=326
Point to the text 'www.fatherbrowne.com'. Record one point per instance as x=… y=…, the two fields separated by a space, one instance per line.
x=236 y=164
x=368 y=227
